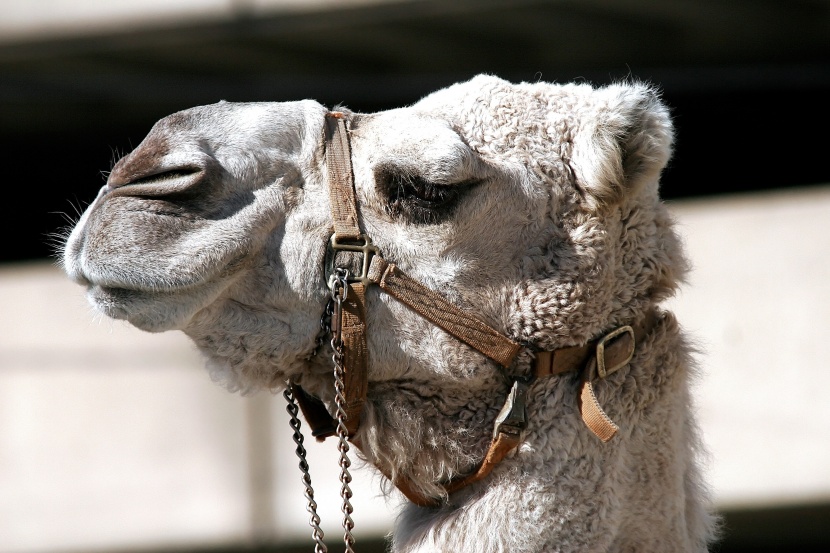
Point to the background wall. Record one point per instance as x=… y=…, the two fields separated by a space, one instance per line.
x=112 y=439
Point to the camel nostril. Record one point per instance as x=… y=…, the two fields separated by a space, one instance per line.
x=161 y=176
x=117 y=179
x=120 y=179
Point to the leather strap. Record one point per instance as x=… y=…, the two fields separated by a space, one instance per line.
x=501 y=445
x=598 y=359
x=346 y=228
x=315 y=413
x=341 y=180
x=499 y=448
x=435 y=308
x=612 y=351
x=592 y=413
x=355 y=355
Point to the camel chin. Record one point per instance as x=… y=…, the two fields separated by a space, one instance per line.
x=152 y=311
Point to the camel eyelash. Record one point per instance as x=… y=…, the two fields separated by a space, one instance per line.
x=419 y=200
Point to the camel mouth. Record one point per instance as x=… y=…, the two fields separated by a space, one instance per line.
x=116 y=302
x=148 y=311
x=124 y=283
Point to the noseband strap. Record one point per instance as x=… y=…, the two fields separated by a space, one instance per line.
x=596 y=359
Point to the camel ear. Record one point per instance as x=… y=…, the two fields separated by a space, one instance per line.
x=623 y=144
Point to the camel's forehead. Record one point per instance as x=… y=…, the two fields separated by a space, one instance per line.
x=401 y=129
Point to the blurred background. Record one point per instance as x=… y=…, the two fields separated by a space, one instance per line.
x=116 y=440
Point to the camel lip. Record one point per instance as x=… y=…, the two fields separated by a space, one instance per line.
x=144 y=310
x=121 y=276
x=114 y=302
x=123 y=287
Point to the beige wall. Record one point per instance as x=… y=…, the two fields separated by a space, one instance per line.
x=24 y=19
x=113 y=438
x=758 y=304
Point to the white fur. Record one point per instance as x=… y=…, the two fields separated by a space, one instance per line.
x=563 y=237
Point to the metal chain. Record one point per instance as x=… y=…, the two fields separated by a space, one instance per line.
x=311 y=507
x=339 y=292
x=325 y=329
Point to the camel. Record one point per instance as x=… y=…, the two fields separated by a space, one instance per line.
x=531 y=208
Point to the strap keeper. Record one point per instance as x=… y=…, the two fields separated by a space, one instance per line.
x=513 y=416
x=606 y=362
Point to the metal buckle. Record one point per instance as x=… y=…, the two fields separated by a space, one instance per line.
x=362 y=244
x=602 y=370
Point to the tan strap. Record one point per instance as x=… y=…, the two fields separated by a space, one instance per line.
x=341 y=180
x=592 y=413
x=500 y=446
x=353 y=316
x=596 y=359
x=355 y=373
x=612 y=351
x=355 y=355
x=436 y=309
x=552 y=363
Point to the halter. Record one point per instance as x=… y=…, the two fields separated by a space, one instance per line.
x=595 y=359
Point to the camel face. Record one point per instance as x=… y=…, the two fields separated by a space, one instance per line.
x=498 y=195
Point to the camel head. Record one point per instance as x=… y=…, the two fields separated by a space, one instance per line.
x=533 y=206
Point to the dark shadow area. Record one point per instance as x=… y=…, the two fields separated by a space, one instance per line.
x=747 y=140
x=727 y=142
x=802 y=529
x=747 y=82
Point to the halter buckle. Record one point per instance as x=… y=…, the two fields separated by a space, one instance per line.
x=363 y=245
x=604 y=370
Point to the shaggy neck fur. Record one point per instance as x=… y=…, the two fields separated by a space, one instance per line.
x=430 y=433
x=562 y=485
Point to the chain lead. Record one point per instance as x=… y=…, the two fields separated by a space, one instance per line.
x=311 y=507
x=331 y=322
x=325 y=329
x=339 y=291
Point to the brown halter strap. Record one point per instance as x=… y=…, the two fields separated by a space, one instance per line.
x=596 y=359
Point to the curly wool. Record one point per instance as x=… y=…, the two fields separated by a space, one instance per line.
x=606 y=250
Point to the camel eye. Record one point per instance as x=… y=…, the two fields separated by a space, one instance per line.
x=419 y=200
